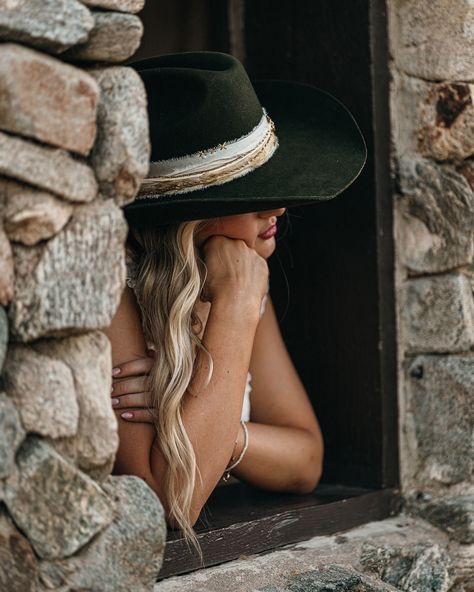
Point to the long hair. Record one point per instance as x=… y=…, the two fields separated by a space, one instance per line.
x=169 y=275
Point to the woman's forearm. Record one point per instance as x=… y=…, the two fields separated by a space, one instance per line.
x=211 y=413
x=280 y=458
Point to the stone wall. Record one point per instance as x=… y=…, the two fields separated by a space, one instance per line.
x=73 y=148
x=432 y=112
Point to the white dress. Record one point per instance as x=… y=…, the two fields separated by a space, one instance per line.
x=248 y=387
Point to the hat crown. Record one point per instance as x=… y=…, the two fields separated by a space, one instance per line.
x=196 y=101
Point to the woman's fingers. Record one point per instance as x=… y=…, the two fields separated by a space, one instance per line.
x=137 y=415
x=135 y=400
x=129 y=386
x=133 y=367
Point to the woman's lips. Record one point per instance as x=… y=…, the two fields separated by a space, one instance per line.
x=269 y=232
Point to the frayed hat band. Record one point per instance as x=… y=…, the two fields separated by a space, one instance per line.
x=213 y=166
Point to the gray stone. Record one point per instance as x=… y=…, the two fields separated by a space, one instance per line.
x=43 y=391
x=3 y=336
x=11 y=435
x=57 y=507
x=128 y=554
x=89 y=359
x=422 y=30
x=73 y=283
x=331 y=578
x=7 y=274
x=435 y=217
x=119 y=5
x=424 y=568
x=19 y=566
x=441 y=399
x=32 y=215
x=45 y=99
x=115 y=37
x=437 y=314
x=121 y=152
x=52 y=169
x=454 y=515
x=54 y=25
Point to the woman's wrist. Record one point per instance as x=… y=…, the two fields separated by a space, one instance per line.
x=237 y=304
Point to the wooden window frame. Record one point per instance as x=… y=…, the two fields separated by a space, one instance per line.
x=242 y=520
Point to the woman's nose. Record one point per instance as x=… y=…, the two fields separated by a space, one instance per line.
x=275 y=212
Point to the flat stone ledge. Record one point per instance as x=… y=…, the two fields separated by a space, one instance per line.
x=271 y=572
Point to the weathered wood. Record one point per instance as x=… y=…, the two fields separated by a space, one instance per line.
x=241 y=520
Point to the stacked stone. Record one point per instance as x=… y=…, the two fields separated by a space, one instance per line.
x=74 y=147
x=432 y=45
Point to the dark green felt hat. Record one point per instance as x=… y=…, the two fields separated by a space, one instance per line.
x=223 y=145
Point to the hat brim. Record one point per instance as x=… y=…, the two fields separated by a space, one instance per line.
x=321 y=152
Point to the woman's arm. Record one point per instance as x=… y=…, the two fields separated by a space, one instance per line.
x=285 y=451
x=211 y=418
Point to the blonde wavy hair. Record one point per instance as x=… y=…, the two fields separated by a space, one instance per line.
x=169 y=275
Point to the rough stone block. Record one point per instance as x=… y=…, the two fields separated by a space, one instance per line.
x=53 y=25
x=11 y=436
x=121 y=152
x=57 y=507
x=419 y=567
x=423 y=30
x=19 y=571
x=437 y=314
x=7 y=274
x=45 y=99
x=441 y=398
x=114 y=38
x=31 y=215
x=52 y=169
x=433 y=119
x=73 y=283
x=3 y=336
x=128 y=554
x=454 y=515
x=435 y=217
x=340 y=578
x=90 y=361
x=43 y=391
x=119 y=5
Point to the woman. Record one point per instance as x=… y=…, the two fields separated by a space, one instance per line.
x=202 y=230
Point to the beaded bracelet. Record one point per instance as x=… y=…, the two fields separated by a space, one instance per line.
x=226 y=475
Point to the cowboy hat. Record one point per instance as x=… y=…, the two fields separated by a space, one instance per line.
x=224 y=145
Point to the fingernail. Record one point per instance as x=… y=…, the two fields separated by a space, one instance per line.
x=127 y=415
x=115 y=402
x=112 y=388
x=115 y=371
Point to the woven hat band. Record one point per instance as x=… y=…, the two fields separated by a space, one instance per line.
x=212 y=166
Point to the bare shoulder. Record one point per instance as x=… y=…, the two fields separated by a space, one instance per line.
x=125 y=331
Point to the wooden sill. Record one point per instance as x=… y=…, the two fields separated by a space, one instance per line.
x=242 y=520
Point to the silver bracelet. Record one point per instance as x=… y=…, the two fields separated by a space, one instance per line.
x=241 y=456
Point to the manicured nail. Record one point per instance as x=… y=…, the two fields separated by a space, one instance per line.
x=127 y=415
x=115 y=402
x=115 y=371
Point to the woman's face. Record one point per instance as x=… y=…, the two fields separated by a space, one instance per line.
x=257 y=229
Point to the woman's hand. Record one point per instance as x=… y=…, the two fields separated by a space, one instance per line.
x=129 y=389
x=233 y=269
